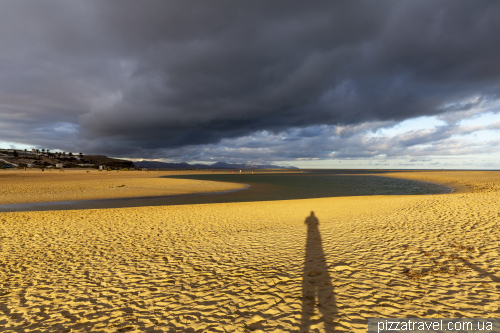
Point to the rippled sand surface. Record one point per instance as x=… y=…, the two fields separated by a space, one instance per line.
x=260 y=266
x=71 y=185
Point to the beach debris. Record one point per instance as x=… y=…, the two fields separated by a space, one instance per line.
x=414 y=275
x=462 y=247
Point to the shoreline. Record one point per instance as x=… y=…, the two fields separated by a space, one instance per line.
x=454 y=179
x=62 y=205
x=78 y=185
x=257 y=193
x=454 y=187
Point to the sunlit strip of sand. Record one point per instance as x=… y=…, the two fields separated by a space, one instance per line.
x=19 y=186
x=258 y=266
x=461 y=181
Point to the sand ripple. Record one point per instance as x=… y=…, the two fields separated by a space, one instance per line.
x=245 y=267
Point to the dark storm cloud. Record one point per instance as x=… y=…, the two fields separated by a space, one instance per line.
x=132 y=78
x=297 y=144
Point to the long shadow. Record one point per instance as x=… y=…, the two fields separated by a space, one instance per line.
x=482 y=271
x=318 y=299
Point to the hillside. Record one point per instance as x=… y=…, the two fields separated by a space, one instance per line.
x=217 y=165
x=18 y=158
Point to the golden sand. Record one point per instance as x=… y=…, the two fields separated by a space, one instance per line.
x=258 y=266
x=49 y=186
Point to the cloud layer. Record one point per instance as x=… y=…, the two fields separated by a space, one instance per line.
x=280 y=79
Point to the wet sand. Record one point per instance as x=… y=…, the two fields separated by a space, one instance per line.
x=257 y=266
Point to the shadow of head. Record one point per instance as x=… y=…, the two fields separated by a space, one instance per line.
x=312 y=220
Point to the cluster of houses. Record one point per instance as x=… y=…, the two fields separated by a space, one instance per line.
x=43 y=152
x=36 y=153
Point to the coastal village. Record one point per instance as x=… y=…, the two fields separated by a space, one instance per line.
x=45 y=159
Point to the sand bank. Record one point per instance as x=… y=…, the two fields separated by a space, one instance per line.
x=256 y=266
x=19 y=186
x=461 y=181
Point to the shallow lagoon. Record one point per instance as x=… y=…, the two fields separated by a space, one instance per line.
x=261 y=187
x=264 y=187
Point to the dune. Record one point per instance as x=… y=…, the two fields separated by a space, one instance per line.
x=317 y=265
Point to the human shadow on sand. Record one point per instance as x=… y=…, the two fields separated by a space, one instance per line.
x=318 y=299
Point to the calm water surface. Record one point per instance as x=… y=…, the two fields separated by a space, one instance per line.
x=261 y=187
x=265 y=187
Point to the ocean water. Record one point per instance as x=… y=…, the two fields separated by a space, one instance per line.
x=261 y=187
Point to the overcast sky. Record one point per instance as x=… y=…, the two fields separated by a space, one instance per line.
x=389 y=84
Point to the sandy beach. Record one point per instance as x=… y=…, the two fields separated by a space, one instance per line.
x=72 y=185
x=311 y=265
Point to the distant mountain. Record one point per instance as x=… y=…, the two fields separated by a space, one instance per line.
x=224 y=165
x=218 y=165
x=162 y=165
